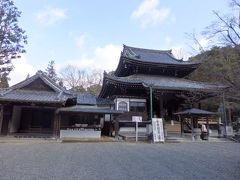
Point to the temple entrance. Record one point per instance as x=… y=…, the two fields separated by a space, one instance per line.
x=36 y=120
x=32 y=120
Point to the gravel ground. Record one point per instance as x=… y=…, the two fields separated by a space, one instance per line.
x=102 y=161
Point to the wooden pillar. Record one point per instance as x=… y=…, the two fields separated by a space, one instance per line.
x=10 y=116
x=1 y=118
x=207 y=126
x=59 y=124
x=181 y=123
x=56 y=124
x=192 y=127
x=229 y=116
x=161 y=106
x=224 y=110
x=151 y=103
x=116 y=128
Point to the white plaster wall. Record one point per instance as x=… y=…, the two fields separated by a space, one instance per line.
x=87 y=133
x=15 y=119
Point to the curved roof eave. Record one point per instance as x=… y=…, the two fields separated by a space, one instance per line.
x=135 y=60
x=214 y=88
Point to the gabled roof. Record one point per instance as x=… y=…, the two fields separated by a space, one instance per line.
x=18 y=93
x=160 y=82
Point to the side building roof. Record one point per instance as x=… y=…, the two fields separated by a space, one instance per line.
x=42 y=90
x=90 y=99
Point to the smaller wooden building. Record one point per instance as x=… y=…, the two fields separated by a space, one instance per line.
x=38 y=106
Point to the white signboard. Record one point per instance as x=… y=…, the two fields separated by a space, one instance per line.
x=229 y=131
x=107 y=117
x=136 y=118
x=157 y=125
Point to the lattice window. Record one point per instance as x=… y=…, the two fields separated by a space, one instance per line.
x=122 y=106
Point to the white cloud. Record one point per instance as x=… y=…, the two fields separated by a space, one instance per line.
x=105 y=58
x=80 y=40
x=168 y=39
x=51 y=15
x=21 y=70
x=149 y=13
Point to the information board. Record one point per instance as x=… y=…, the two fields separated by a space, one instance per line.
x=157 y=125
x=137 y=118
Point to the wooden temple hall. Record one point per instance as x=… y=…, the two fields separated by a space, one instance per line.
x=149 y=83
x=146 y=83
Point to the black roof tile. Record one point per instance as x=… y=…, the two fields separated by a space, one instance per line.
x=165 y=82
x=16 y=93
x=154 y=56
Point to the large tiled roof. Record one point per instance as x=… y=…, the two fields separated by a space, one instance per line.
x=18 y=93
x=165 y=82
x=154 y=56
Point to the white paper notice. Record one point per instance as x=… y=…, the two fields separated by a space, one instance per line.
x=157 y=125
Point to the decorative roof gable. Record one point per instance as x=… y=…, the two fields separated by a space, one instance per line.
x=37 y=88
x=38 y=76
x=38 y=85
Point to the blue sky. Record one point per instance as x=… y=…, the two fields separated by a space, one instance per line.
x=89 y=34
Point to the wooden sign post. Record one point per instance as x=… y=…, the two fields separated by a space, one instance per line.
x=137 y=119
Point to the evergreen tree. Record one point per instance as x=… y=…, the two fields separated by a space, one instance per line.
x=94 y=89
x=12 y=37
x=4 y=81
x=51 y=72
x=28 y=76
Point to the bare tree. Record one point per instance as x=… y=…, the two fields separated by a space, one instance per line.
x=197 y=46
x=80 y=80
x=226 y=29
x=73 y=77
x=94 y=77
